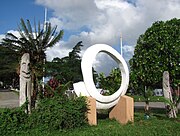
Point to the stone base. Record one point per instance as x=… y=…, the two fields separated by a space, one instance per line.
x=91 y=115
x=123 y=112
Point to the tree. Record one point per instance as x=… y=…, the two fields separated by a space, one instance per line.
x=35 y=42
x=111 y=82
x=8 y=66
x=67 y=68
x=157 y=50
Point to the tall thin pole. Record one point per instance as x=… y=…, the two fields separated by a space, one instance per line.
x=121 y=43
x=45 y=15
x=45 y=18
x=45 y=21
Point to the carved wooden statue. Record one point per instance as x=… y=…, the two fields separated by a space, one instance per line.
x=167 y=94
x=25 y=82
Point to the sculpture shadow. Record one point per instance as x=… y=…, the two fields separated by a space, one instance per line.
x=103 y=114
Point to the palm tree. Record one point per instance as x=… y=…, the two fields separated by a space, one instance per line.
x=35 y=42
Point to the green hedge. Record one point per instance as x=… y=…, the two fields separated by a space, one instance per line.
x=12 y=120
x=57 y=113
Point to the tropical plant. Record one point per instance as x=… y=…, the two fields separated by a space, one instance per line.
x=171 y=108
x=35 y=42
x=53 y=87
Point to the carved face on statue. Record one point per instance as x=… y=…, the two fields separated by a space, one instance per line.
x=25 y=67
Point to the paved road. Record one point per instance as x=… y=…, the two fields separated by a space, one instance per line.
x=10 y=99
x=151 y=104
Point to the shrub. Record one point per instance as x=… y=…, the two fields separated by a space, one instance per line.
x=59 y=113
x=12 y=120
x=56 y=113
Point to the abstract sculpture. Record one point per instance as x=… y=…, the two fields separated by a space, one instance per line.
x=88 y=88
x=25 y=81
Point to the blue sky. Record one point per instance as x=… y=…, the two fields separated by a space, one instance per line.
x=27 y=9
x=90 y=21
x=11 y=11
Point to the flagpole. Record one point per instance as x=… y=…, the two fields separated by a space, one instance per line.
x=45 y=15
x=45 y=21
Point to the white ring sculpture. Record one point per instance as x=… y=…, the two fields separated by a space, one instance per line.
x=102 y=102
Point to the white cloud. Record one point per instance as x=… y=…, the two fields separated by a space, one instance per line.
x=1 y=37
x=56 y=22
x=74 y=14
x=16 y=33
x=104 y=63
x=57 y=51
x=102 y=21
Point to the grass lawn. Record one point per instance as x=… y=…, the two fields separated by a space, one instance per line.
x=157 y=125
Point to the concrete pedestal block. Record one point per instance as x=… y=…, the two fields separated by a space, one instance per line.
x=91 y=115
x=123 y=111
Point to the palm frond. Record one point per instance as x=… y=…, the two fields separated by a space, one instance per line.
x=29 y=27
x=35 y=30
x=24 y=28
x=10 y=35
x=39 y=27
x=22 y=34
x=55 y=39
x=47 y=35
x=53 y=31
x=25 y=43
x=11 y=44
x=27 y=31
